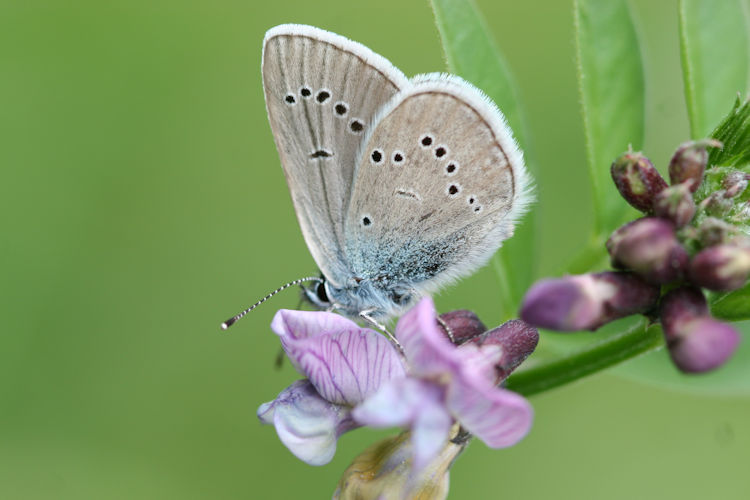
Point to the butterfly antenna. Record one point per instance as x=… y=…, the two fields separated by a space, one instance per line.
x=235 y=319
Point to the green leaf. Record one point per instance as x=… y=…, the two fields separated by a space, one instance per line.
x=611 y=84
x=714 y=50
x=471 y=53
x=734 y=133
x=733 y=306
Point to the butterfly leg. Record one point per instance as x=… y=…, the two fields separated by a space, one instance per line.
x=366 y=315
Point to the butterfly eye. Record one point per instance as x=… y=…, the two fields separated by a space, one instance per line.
x=320 y=292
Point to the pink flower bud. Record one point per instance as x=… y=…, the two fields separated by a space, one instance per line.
x=697 y=342
x=517 y=340
x=676 y=204
x=587 y=301
x=464 y=325
x=649 y=247
x=717 y=203
x=637 y=180
x=734 y=183
x=713 y=231
x=721 y=268
x=689 y=162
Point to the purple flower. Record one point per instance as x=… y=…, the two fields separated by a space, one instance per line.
x=344 y=364
x=676 y=204
x=587 y=301
x=721 y=267
x=689 y=162
x=445 y=382
x=697 y=342
x=649 y=247
x=637 y=180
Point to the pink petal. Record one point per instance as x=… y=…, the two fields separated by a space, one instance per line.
x=414 y=403
x=497 y=416
x=344 y=362
x=430 y=432
x=427 y=349
x=306 y=423
x=397 y=403
x=430 y=353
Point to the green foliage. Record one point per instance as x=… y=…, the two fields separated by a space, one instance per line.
x=612 y=92
x=610 y=77
x=733 y=306
x=472 y=54
x=734 y=133
x=715 y=59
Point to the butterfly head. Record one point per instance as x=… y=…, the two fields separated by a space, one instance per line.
x=374 y=297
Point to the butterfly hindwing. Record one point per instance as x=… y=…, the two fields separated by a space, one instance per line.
x=322 y=91
x=438 y=187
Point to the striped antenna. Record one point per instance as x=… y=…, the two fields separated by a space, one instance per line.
x=235 y=319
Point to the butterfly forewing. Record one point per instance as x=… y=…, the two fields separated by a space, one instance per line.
x=438 y=185
x=322 y=91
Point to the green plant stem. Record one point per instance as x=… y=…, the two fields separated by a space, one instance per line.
x=610 y=351
x=508 y=302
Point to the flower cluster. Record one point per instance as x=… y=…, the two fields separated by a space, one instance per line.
x=436 y=389
x=693 y=237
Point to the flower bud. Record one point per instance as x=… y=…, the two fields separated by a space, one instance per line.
x=721 y=268
x=697 y=342
x=717 y=203
x=384 y=470
x=464 y=325
x=689 y=162
x=702 y=345
x=676 y=204
x=517 y=340
x=587 y=301
x=649 y=247
x=734 y=183
x=637 y=180
x=713 y=231
x=680 y=305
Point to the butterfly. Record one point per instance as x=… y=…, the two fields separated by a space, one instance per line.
x=400 y=186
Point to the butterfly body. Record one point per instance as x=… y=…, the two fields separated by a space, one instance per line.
x=400 y=186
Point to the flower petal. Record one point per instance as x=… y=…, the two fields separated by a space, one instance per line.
x=430 y=432
x=344 y=362
x=427 y=349
x=497 y=416
x=410 y=402
x=430 y=353
x=306 y=423
x=397 y=403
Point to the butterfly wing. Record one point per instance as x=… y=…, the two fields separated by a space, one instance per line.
x=322 y=91
x=439 y=185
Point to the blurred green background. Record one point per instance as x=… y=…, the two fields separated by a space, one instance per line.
x=142 y=202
